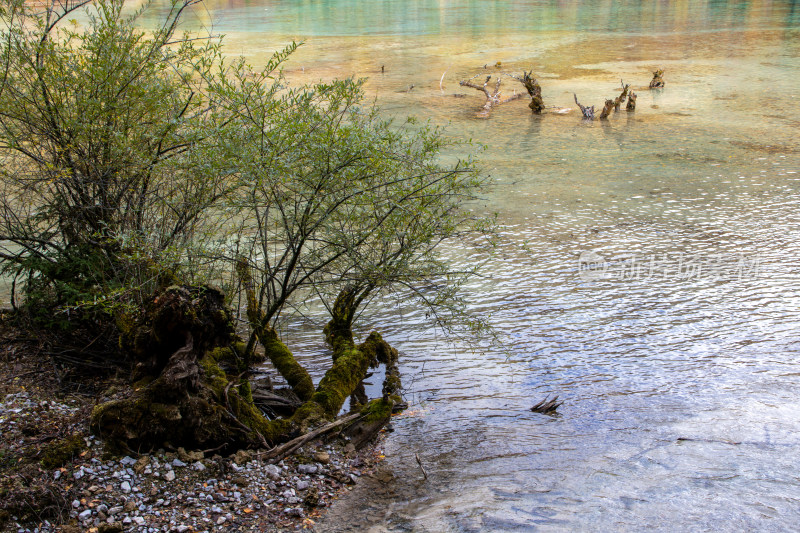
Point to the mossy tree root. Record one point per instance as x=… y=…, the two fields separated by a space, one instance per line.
x=186 y=398
x=350 y=361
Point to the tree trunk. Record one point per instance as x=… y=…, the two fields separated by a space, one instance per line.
x=187 y=400
x=276 y=351
x=190 y=401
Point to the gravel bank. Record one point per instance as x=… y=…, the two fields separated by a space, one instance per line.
x=181 y=491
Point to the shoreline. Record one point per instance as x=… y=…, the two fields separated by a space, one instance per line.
x=166 y=490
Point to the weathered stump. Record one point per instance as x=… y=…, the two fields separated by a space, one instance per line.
x=631 y=102
x=181 y=396
x=658 y=79
x=534 y=90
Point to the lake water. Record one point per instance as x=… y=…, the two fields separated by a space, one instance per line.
x=682 y=320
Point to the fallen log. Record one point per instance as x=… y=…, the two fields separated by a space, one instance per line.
x=279 y=452
x=493 y=97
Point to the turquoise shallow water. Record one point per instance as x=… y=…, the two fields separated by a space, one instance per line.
x=682 y=319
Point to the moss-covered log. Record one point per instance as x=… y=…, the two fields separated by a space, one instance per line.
x=187 y=399
x=376 y=414
x=350 y=361
x=281 y=357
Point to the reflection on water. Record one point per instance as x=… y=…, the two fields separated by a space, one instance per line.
x=705 y=172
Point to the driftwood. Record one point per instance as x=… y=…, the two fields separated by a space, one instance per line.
x=493 y=97
x=419 y=462
x=547 y=405
x=631 y=102
x=658 y=79
x=279 y=452
x=534 y=90
x=608 y=106
x=588 y=112
x=619 y=100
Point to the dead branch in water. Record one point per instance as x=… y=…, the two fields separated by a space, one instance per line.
x=493 y=97
x=534 y=90
x=588 y=112
x=419 y=462
x=546 y=405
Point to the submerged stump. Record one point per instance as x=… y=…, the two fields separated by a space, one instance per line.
x=658 y=79
x=631 y=106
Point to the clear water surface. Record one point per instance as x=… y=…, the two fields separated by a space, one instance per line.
x=684 y=325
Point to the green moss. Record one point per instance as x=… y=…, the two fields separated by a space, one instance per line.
x=377 y=410
x=142 y=383
x=292 y=371
x=214 y=375
x=309 y=414
x=249 y=415
x=341 y=380
x=60 y=452
x=246 y=391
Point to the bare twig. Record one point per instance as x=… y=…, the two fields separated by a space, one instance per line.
x=279 y=452
x=419 y=462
